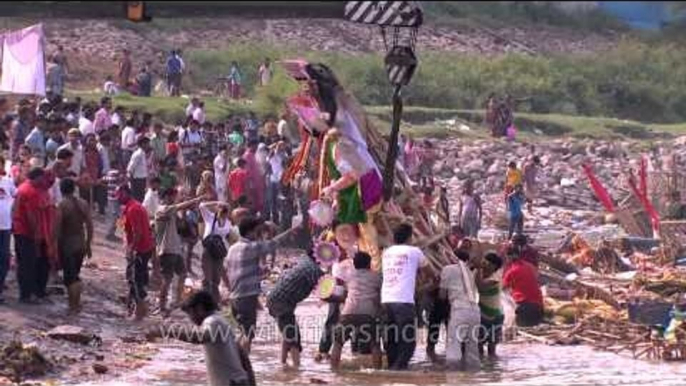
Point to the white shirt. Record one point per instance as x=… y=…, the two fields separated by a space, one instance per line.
x=458 y=281
x=151 y=202
x=138 y=165
x=7 y=193
x=199 y=115
x=276 y=164
x=77 y=161
x=86 y=126
x=128 y=138
x=400 y=264
x=220 y=228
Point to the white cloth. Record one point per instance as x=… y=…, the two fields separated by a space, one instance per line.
x=77 y=161
x=220 y=174
x=86 y=126
x=128 y=138
x=138 y=165
x=399 y=265
x=7 y=193
x=151 y=202
x=23 y=61
x=222 y=357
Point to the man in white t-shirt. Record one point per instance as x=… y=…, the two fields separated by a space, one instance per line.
x=400 y=264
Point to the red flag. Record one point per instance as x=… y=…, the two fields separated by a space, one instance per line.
x=647 y=205
x=643 y=176
x=598 y=188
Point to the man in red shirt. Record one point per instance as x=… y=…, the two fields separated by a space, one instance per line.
x=521 y=279
x=238 y=181
x=140 y=246
x=30 y=213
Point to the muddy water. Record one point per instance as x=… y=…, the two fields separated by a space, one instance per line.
x=179 y=364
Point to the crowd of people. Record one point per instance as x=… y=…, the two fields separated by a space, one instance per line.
x=219 y=185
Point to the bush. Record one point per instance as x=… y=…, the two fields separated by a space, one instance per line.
x=634 y=81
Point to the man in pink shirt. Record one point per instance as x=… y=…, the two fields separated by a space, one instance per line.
x=103 y=119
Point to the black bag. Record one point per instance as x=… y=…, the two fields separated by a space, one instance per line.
x=214 y=245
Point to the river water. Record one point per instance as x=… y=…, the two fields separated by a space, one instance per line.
x=179 y=364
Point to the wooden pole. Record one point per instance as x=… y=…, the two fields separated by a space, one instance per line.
x=392 y=155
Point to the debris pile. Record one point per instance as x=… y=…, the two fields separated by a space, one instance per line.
x=19 y=361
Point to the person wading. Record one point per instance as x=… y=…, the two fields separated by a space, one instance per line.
x=74 y=235
x=169 y=244
x=400 y=265
x=140 y=247
x=217 y=224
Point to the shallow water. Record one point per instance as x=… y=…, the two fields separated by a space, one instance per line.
x=519 y=364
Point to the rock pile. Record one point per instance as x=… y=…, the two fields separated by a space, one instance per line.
x=565 y=199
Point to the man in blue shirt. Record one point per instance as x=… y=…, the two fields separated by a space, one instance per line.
x=174 y=68
x=36 y=138
x=515 y=202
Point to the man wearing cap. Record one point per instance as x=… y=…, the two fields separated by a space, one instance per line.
x=140 y=246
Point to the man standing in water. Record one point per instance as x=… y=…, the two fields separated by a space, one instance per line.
x=243 y=273
x=140 y=247
x=459 y=287
x=293 y=286
x=400 y=264
x=74 y=235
